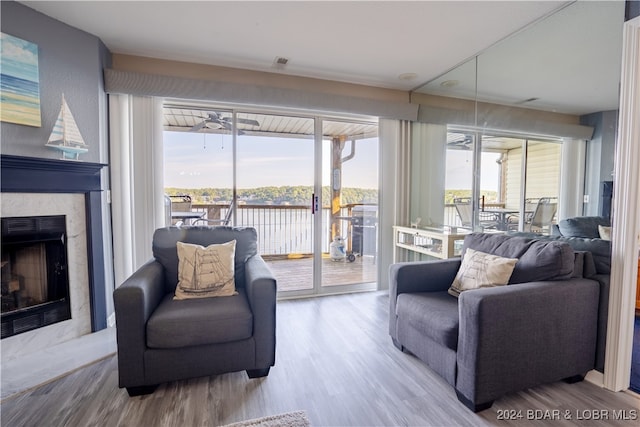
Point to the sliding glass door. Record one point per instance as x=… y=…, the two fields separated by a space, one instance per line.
x=501 y=183
x=350 y=205
x=274 y=185
x=308 y=185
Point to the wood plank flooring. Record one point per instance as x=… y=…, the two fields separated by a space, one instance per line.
x=334 y=360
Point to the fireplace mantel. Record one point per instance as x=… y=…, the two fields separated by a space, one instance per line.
x=38 y=175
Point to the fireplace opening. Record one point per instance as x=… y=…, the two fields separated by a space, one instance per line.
x=35 y=278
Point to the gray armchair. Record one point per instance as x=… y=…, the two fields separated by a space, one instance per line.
x=540 y=328
x=161 y=339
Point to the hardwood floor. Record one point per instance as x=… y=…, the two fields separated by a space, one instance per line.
x=334 y=360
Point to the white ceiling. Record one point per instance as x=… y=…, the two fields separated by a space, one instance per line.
x=568 y=62
x=365 y=42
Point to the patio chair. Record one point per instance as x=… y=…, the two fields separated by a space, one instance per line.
x=465 y=212
x=543 y=215
x=180 y=203
x=530 y=205
x=224 y=221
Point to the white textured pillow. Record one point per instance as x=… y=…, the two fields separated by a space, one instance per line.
x=482 y=270
x=205 y=272
x=604 y=232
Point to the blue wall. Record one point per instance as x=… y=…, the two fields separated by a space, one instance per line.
x=70 y=62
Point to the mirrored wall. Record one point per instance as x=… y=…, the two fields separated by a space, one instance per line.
x=531 y=119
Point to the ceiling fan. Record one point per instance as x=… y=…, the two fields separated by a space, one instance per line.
x=216 y=121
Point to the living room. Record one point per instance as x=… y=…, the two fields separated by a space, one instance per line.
x=72 y=61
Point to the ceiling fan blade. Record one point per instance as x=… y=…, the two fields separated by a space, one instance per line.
x=248 y=122
x=199 y=126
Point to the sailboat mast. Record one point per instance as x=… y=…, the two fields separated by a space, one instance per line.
x=64 y=128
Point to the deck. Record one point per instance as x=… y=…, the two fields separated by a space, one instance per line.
x=297 y=274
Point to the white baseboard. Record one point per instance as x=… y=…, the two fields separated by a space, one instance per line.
x=595 y=377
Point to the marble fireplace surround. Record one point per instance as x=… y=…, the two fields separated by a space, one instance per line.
x=35 y=186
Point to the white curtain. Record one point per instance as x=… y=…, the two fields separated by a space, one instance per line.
x=428 y=157
x=572 y=170
x=395 y=155
x=137 y=187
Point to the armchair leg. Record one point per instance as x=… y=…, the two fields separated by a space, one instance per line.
x=141 y=390
x=574 y=379
x=475 y=407
x=257 y=373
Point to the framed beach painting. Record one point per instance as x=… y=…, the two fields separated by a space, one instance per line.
x=19 y=82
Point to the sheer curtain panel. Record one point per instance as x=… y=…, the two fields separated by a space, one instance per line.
x=572 y=172
x=395 y=166
x=137 y=183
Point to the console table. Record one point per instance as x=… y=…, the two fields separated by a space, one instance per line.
x=442 y=243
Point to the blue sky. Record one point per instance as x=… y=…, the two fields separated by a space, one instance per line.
x=198 y=160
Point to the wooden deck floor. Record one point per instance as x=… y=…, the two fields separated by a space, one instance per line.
x=297 y=274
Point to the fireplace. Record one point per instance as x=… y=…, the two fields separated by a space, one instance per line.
x=71 y=190
x=35 y=278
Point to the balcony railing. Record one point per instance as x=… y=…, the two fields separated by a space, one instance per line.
x=288 y=229
x=282 y=229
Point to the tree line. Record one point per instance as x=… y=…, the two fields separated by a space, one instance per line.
x=299 y=195
x=293 y=195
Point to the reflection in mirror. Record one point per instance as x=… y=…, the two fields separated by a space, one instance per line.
x=554 y=80
x=519 y=183
x=545 y=101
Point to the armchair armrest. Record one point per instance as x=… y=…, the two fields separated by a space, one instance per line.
x=134 y=301
x=261 y=293
x=514 y=337
x=425 y=276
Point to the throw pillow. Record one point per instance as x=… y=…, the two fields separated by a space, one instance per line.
x=205 y=272
x=605 y=232
x=481 y=270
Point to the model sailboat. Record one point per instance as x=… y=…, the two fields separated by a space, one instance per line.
x=65 y=135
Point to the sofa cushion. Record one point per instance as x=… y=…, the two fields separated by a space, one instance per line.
x=599 y=262
x=433 y=313
x=600 y=249
x=604 y=232
x=582 y=226
x=205 y=272
x=537 y=259
x=165 y=250
x=481 y=270
x=201 y=321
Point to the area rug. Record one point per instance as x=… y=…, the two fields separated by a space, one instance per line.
x=289 y=419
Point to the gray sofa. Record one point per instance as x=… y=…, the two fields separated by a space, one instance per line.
x=161 y=339
x=582 y=234
x=540 y=328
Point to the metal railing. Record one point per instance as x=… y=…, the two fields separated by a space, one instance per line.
x=282 y=229
x=288 y=229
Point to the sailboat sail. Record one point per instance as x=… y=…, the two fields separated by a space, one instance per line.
x=65 y=135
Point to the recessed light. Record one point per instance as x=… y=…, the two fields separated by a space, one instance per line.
x=408 y=76
x=280 y=62
x=449 y=83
